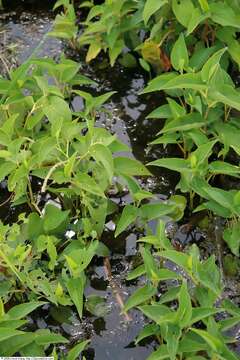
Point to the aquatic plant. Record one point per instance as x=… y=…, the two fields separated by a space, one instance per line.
x=61 y=167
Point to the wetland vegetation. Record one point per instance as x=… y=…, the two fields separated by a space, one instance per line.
x=119 y=170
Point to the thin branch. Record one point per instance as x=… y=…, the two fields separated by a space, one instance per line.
x=108 y=272
x=6 y=201
x=32 y=198
x=49 y=174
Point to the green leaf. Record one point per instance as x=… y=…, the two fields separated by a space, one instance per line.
x=20 y=311
x=142 y=195
x=150 y=264
x=180 y=203
x=165 y=274
x=160 y=354
x=98 y=101
x=158 y=313
x=5 y=154
x=221 y=197
x=35 y=226
x=204 y=5
x=201 y=313
x=232 y=237
x=84 y=182
x=150 y=239
x=227 y=324
x=128 y=216
x=184 y=123
x=151 y=6
x=154 y=211
x=221 y=167
x=231 y=307
x=6 y=333
x=78 y=260
x=198 y=137
x=162 y=112
x=173 y=335
x=179 y=54
x=178 y=258
x=74 y=353
x=148 y=330
x=211 y=65
x=186 y=81
x=202 y=153
x=183 y=10
x=158 y=82
x=208 y=274
x=215 y=208
x=53 y=218
x=175 y=164
x=130 y=167
x=68 y=168
x=2 y=311
x=226 y=94
x=6 y=168
x=140 y=296
x=144 y=64
x=200 y=56
x=15 y=343
x=52 y=252
x=184 y=312
x=33 y=350
x=57 y=112
x=173 y=82
x=196 y=18
x=75 y=289
x=190 y=343
x=116 y=51
x=170 y=295
x=223 y=14
x=169 y=138
x=229 y=136
x=103 y=155
x=137 y=272
x=212 y=341
x=177 y=110
x=45 y=337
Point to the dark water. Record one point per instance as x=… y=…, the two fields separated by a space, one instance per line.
x=111 y=336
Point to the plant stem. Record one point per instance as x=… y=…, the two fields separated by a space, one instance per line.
x=32 y=198
x=108 y=272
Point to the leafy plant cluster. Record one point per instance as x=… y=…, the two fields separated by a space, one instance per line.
x=183 y=317
x=49 y=151
x=59 y=164
x=198 y=42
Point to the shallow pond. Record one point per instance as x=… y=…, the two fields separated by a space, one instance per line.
x=112 y=337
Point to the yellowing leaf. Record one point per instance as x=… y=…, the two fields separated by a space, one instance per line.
x=93 y=51
x=151 y=53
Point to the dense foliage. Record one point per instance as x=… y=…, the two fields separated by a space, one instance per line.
x=59 y=164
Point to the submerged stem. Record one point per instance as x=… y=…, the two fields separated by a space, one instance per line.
x=108 y=272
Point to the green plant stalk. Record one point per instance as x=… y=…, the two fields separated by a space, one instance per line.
x=11 y=266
